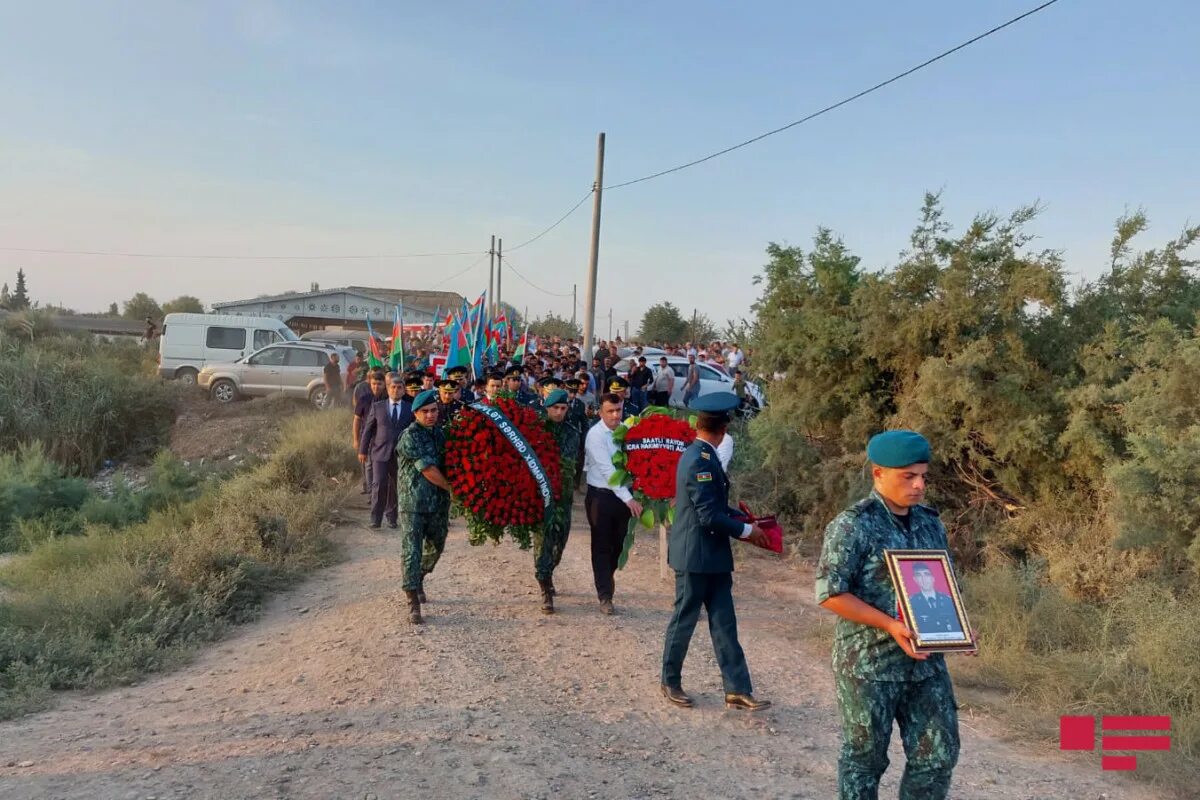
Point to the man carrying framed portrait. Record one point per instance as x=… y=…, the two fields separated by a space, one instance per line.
x=880 y=672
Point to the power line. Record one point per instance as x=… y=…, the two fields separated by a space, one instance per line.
x=458 y=274
x=225 y=257
x=531 y=283
x=838 y=104
x=561 y=219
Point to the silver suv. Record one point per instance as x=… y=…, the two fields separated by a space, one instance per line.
x=295 y=369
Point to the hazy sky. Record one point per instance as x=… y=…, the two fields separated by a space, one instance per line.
x=392 y=127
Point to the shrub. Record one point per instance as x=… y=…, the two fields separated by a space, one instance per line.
x=32 y=486
x=104 y=607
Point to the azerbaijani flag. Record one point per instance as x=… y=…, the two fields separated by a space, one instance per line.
x=375 y=357
x=519 y=354
x=457 y=354
x=396 y=357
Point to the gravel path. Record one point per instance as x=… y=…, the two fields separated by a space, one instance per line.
x=332 y=695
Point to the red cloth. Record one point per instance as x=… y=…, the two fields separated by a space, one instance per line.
x=769 y=525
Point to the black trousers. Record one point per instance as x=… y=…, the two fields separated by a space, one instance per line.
x=368 y=480
x=383 y=491
x=658 y=398
x=609 y=520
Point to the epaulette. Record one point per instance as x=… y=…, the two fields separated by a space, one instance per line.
x=859 y=507
x=930 y=508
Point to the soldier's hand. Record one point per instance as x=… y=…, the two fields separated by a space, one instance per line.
x=634 y=507
x=362 y=458
x=757 y=536
x=906 y=639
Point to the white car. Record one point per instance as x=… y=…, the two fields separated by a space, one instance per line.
x=712 y=379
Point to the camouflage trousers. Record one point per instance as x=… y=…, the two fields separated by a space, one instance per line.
x=422 y=545
x=550 y=542
x=928 y=718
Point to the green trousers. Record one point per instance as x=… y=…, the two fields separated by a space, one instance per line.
x=550 y=542
x=422 y=545
x=928 y=718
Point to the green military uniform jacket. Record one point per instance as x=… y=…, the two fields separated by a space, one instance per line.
x=852 y=562
x=447 y=412
x=704 y=522
x=569 y=446
x=419 y=449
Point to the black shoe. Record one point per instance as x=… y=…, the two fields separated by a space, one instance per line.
x=746 y=701
x=393 y=525
x=375 y=526
x=606 y=608
x=677 y=696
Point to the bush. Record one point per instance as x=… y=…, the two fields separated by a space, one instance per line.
x=32 y=486
x=104 y=607
x=84 y=401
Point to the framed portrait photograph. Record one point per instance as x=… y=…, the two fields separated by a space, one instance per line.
x=928 y=600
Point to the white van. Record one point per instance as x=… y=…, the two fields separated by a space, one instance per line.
x=189 y=342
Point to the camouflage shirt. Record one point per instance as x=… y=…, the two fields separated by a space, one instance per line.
x=852 y=561
x=569 y=443
x=419 y=449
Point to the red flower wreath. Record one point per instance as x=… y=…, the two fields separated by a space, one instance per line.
x=492 y=484
x=650 y=448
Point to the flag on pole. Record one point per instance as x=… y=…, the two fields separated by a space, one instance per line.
x=396 y=356
x=519 y=354
x=457 y=354
x=375 y=357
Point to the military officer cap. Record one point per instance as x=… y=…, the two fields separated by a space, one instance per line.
x=571 y=383
x=549 y=381
x=411 y=380
x=425 y=398
x=898 y=449
x=556 y=397
x=456 y=372
x=495 y=375
x=445 y=383
x=618 y=383
x=716 y=404
x=513 y=372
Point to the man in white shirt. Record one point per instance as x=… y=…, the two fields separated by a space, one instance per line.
x=608 y=508
x=735 y=358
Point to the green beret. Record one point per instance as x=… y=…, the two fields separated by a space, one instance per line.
x=898 y=449
x=555 y=398
x=425 y=398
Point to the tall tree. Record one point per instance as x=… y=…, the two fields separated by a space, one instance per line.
x=142 y=306
x=663 y=323
x=552 y=325
x=20 y=296
x=184 y=304
x=5 y=298
x=113 y=310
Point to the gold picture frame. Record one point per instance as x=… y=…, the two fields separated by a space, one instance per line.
x=929 y=601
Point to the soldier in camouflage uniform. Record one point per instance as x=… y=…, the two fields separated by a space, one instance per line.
x=878 y=675
x=424 y=498
x=577 y=418
x=448 y=403
x=551 y=541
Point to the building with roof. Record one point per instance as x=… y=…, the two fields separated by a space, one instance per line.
x=348 y=307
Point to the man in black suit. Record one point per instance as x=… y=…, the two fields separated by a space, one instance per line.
x=699 y=551
x=934 y=610
x=381 y=430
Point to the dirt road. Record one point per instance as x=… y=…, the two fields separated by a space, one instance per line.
x=332 y=695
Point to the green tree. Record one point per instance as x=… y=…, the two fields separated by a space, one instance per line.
x=142 y=306
x=554 y=326
x=20 y=295
x=113 y=310
x=184 y=304
x=663 y=323
x=5 y=298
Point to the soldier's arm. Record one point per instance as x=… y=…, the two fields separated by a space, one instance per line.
x=711 y=510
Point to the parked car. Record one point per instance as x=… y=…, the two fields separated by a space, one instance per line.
x=294 y=369
x=358 y=340
x=712 y=379
x=189 y=342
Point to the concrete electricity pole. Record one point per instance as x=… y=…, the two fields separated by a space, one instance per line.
x=492 y=279
x=589 y=310
x=574 y=301
x=499 y=271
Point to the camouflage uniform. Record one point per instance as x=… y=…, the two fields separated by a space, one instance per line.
x=876 y=681
x=424 y=508
x=551 y=541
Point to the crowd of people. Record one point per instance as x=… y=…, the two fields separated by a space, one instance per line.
x=880 y=676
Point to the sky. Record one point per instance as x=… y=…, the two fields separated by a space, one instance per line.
x=256 y=127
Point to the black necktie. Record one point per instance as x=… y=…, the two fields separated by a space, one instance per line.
x=395 y=413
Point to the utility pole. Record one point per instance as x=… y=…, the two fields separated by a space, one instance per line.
x=574 y=301
x=491 y=279
x=589 y=310
x=499 y=271
x=693 y=336
x=610 y=324
x=626 y=331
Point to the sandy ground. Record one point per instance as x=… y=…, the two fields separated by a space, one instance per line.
x=331 y=694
